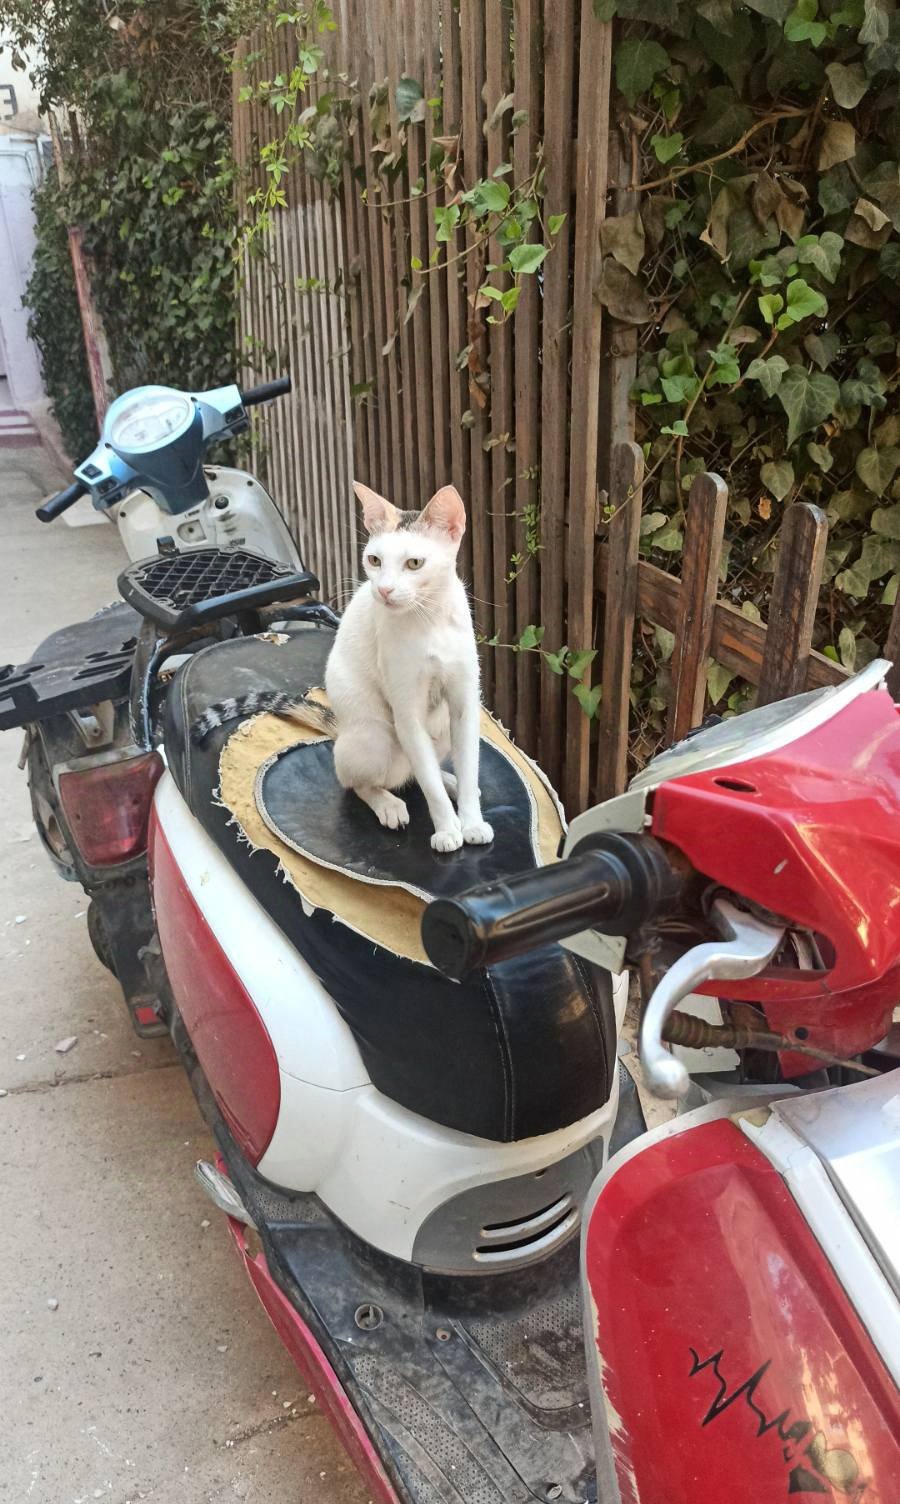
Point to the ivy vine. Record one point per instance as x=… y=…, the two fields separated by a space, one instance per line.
x=760 y=266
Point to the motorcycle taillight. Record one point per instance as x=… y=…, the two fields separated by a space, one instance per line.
x=107 y=807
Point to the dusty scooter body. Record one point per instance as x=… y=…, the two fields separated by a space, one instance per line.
x=741 y=1264
x=405 y=1160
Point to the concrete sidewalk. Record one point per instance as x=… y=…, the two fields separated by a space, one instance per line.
x=157 y=1376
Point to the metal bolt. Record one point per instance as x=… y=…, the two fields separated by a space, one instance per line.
x=368 y=1317
x=442 y=1334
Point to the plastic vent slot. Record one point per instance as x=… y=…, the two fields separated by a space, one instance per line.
x=505 y=1241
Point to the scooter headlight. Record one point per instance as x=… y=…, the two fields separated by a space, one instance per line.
x=148 y=419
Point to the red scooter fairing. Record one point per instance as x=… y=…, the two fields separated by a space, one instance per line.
x=811 y=832
x=731 y=1364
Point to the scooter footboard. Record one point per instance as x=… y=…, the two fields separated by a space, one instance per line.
x=727 y=1362
x=443 y=1390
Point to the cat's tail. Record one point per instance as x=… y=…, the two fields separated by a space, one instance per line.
x=303 y=709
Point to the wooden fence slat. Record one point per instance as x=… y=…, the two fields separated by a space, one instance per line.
x=795 y=594
x=439 y=374
x=527 y=24
x=737 y=642
x=454 y=277
x=500 y=342
x=892 y=650
x=594 y=66
x=398 y=219
x=700 y=559
x=477 y=492
x=559 y=57
x=626 y=482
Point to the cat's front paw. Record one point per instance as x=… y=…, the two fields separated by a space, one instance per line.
x=447 y=840
x=478 y=833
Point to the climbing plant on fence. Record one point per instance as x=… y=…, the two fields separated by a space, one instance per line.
x=143 y=92
x=761 y=264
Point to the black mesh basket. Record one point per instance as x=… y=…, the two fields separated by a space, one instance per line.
x=198 y=585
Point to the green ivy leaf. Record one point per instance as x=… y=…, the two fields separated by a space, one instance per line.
x=821 y=251
x=490 y=196
x=588 y=699
x=670 y=539
x=531 y=637
x=876 y=467
x=604 y=10
x=768 y=372
x=777 y=476
x=679 y=430
x=822 y=348
x=847 y=649
x=555 y=223
x=808 y=398
x=556 y=662
x=886 y=521
x=770 y=306
x=667 y=147
x=802 y=26
x=527 y=258
x=580 y=662
x=409 y=99
x=889 y=594
x=848 y=83
x=638 y=62
x=820 y=455
x=665 y=641
x=802 y=302
x=651 y=522
x=718 y=678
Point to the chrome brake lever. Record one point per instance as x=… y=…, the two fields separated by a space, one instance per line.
x=747 y=946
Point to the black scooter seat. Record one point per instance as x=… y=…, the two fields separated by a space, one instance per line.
x=519 y=1050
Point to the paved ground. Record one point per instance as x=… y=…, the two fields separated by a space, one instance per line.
x=158 y=1376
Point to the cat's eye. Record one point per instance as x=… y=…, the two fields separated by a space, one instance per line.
x=373 y=560
x=414 y=563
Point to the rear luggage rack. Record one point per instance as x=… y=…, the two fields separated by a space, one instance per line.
x=187 y=589
x=75 y=669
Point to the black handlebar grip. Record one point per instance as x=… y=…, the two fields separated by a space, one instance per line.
x=269 y=389
x=615 y=882
x=61 y=501
x=521 y=913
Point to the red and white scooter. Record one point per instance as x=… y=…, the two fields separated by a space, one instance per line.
x=412 y=1126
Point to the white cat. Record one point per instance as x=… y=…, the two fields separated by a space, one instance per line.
x=402 y=677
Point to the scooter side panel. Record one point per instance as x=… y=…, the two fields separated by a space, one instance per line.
x=732 y=1366
x=226 y=1030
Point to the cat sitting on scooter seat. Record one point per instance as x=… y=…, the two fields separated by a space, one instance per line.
x=402 y=677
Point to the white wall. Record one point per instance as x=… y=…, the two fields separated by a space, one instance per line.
x=21 y=168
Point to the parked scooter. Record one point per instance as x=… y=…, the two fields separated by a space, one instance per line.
x=412 y=1127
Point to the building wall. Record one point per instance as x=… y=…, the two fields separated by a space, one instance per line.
x=22 y=158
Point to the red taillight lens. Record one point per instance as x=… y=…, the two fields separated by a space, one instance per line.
x=107 y=807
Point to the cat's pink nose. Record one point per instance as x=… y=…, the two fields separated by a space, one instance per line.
x=385 y=591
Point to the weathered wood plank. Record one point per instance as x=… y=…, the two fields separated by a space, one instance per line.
x=478 y=492
x=736 y=641
x=453 y=277
x=429 y=43
x=626 y=482
x=795 y=594
x=594 y=67
x=701 y=556
x=559 y=58
x=528 y=101
x=500 y=343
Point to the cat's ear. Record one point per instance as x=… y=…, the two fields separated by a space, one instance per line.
x=378 y=514
x=445 y=513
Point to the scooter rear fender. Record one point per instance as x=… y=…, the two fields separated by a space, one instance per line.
x=727 y=1361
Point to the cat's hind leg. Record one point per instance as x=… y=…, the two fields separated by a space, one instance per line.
x=368 y=760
